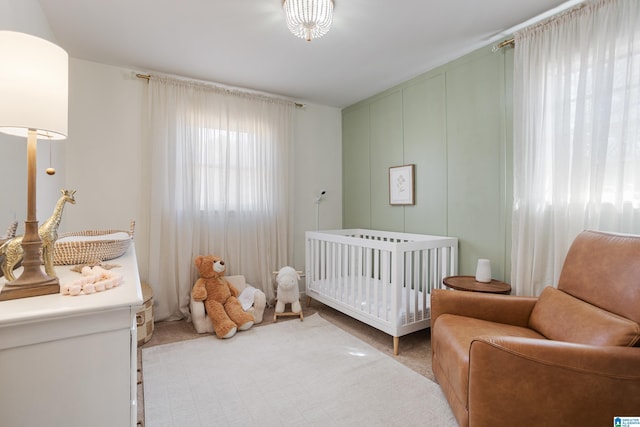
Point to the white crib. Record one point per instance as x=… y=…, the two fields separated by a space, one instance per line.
x=381 y=278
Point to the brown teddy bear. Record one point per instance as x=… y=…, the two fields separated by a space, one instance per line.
x=220 y=298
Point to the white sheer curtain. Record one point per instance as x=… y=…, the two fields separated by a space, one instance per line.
x=220 y=184
x=576 y=135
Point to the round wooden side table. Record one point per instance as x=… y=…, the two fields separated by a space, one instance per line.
x=469 y=283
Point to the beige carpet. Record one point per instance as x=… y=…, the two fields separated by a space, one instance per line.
x=290 y=373
x=415 y=348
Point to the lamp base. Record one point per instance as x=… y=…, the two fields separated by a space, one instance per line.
x=33 y=282
x=11 y=291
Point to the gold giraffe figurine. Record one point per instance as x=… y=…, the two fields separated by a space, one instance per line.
x=48 y=232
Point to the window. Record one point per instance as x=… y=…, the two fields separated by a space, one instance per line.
x=226 y=169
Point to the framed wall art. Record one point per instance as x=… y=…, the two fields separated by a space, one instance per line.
x=401 y=185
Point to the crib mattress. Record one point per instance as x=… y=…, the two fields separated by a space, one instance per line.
x=367 y=296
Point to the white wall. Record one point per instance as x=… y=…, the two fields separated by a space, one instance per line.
x=102 y=157
x=318 y=166
x=104 y=151
x=105 y=165
x=26 y=16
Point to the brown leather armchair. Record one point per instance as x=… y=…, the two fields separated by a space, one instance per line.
x=570 y=357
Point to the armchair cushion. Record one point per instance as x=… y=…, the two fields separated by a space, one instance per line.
x=562 y=317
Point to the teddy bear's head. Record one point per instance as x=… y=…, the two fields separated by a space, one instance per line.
x=210 y=266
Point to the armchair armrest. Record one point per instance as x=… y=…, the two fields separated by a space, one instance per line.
x=199 y=318
x=524 y=381
x=511 y=310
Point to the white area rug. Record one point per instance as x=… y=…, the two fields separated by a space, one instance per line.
x=291 y=373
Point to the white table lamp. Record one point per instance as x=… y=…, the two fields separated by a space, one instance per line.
x=34 y=92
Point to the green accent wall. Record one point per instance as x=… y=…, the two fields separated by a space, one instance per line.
x=455 y=124
x=356 y=175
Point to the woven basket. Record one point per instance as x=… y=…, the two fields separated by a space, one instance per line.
x=91 y=251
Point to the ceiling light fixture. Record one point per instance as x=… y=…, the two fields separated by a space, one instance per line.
x=308 y=19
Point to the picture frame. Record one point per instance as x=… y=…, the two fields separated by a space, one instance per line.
x=402 y=185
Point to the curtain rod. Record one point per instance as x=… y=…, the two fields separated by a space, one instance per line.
x=148 y=76
x=568 y=7
x=509 y=42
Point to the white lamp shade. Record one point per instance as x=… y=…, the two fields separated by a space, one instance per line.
x=34 y=86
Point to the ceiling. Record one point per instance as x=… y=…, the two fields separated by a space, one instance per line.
x=372 y=45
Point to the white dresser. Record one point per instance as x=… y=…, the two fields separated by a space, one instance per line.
x=71 y=360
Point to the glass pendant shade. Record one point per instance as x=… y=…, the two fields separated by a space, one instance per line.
x=308 y=19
